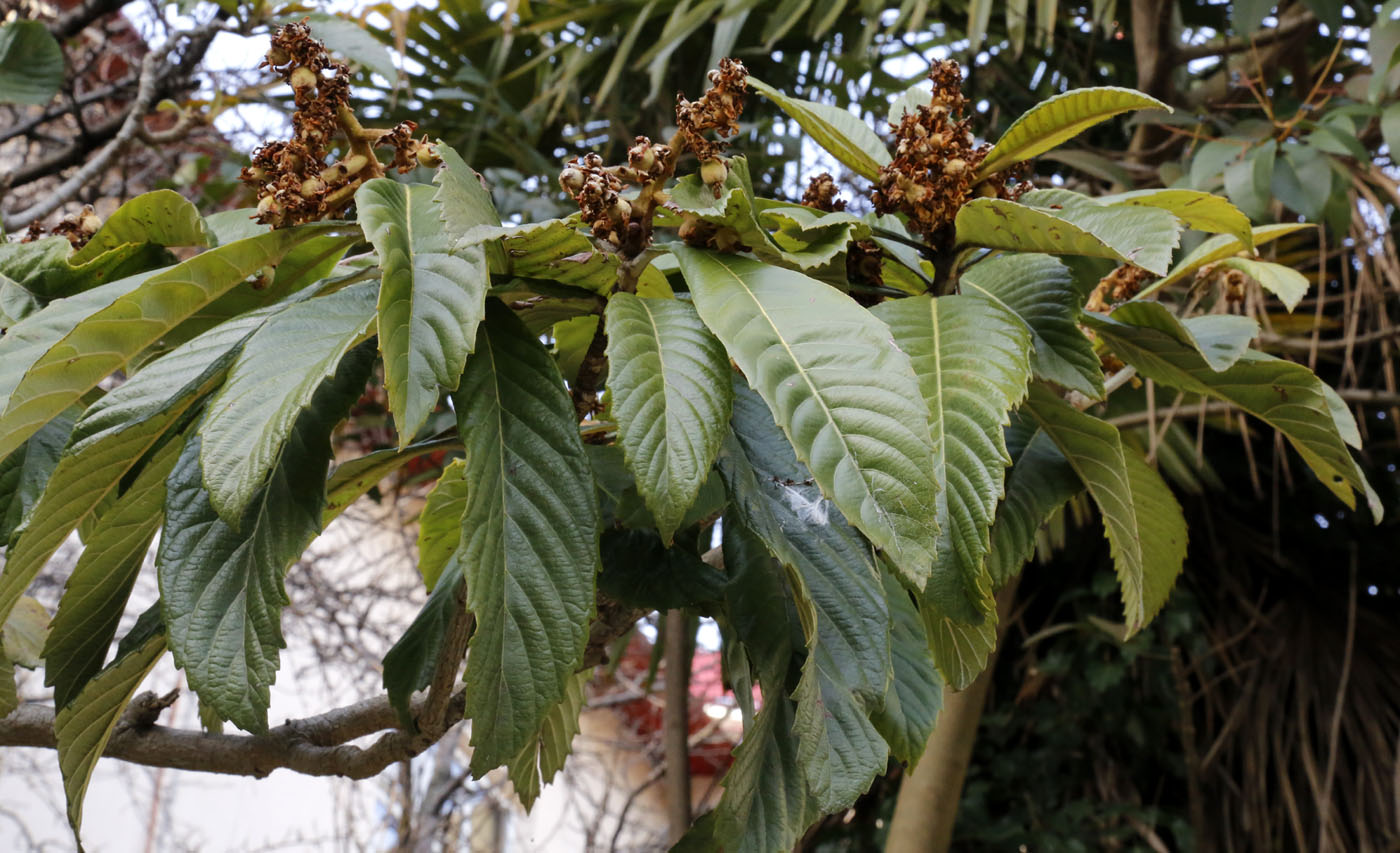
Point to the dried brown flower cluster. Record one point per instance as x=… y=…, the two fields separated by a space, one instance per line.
x=864 y=263
x=821 y=194
x=625 y=224
x=934 y=170
x=1118 y=286
x=77 y=227
x=292 y=178
x=718 y=110
x=598 y=190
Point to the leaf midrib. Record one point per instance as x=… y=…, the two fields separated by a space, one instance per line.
x=802 y=371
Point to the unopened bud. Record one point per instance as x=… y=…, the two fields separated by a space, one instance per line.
x=643 y=160
x=427 y=156
x=90 y=221
x=955 y=166
x=303 y=78
x=713 y=172
x=571 y=180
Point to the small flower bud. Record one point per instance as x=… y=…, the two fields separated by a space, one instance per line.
x=90 y=221
x=427 y=156
x=955 y=166
x=268 y=207
x=571 y=180
x=714 y=172
x=642 y=160
x=303 y=78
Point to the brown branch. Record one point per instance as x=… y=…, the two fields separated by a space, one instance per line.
x=77 y=20
x=314 y=746
x=1227 y=46
x=156 y=79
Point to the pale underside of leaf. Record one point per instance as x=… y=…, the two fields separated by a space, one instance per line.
x=1040 y=290
x=1059 y=119
x=272 y=381
x=972 y=359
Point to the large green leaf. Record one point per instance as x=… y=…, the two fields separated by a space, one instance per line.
x=844 y=135
x=543 y=757
x=430 y=302
x=92 y=334
x=465 y=202
x=440 y=522
x=972 y=358
x=766 y=806
x=1144 y=524
x=529 y=537
x=112 y=436
x=1220 y=339
x=96 y=592
x=25 y=473
x=1218 y=248
x=1059 y=222
x=1059 y=119
x=221 y=584
x=772 y=494
x=915 y=695
x=838 y=747
x=31 y=63
x=1040 y=482
x=83 y=726
x=960 y=649
x=669 y=384
x=1285 y=395
x=1040 y=290
x=271 y=382
x=844 y=394
x=1289 y=285
x=409 y=664
x=1202 y=211
x=163 y=217
x=839 y=596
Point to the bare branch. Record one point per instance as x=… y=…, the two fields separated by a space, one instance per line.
x=315 y=746
x=1227 y=46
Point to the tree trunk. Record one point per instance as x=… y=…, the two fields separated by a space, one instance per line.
x=927 y=805
x=677 y=723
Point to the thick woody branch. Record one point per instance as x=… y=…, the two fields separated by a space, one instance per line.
x=157 y=78
x=78 y=19
x=315 y=746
